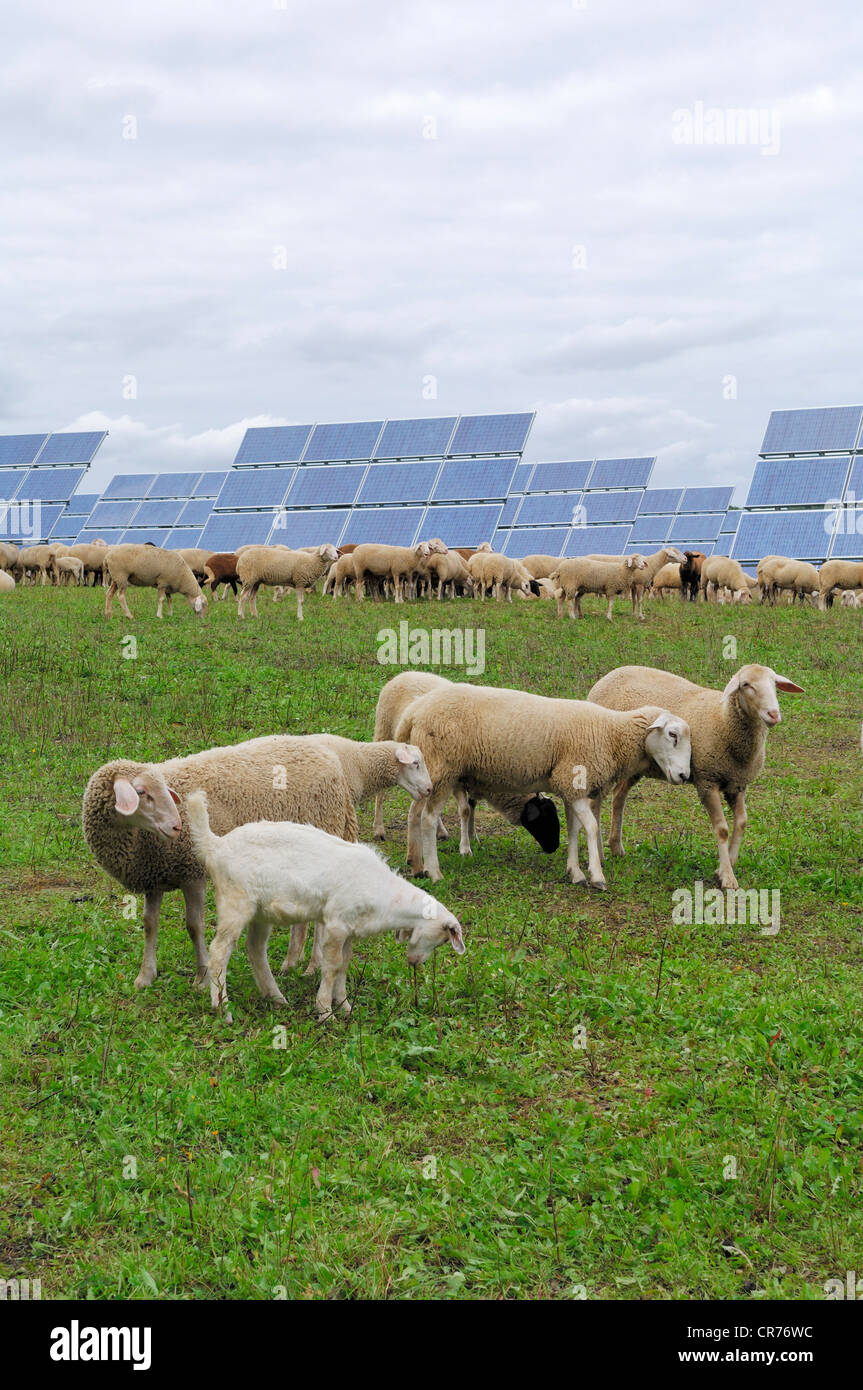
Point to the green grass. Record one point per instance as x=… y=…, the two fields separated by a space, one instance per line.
x=148 y=1149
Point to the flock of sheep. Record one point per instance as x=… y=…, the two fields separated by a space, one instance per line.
x=429 y=568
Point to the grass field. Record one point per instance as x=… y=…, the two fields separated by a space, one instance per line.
x=453 y=1139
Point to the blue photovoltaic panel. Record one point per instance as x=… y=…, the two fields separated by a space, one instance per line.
x=650 y=530
x=128 y=485
x=273 y=444
x=211 y=485
x=510 y=507
x=352 y=441
x=705 y=526
x=801 y=535
x=812 y=431
x=255 y=487
x=71 y=448
x=855 y=482
x=522 y=477
x=731 y=521
x=10 y=481
x=561 y=477
x=398 y=482
x=660 y=501
x=724 y=544
x=706 y=499
x=848 y=543
x=605 y=507
x=549 y=509
x=460 y=525
x=535 y=542
x=66 y=528
x=227 y=532
x=109 y=537
x=195 y=513
x=383 y=526
x=491 y=434
x=597 y=540
x=137 y=537
x=700 y=547
x=175 y=485
x=296 y=529
x=326 y=487
x=47 y=520
x=798 y=482
x=163 y=513
x=182 y=539
x=19 y=450
x=415 y=438
x=82 y=503
x=482 y=479
x=112 y=514
x=622 y=472
x=51 y=484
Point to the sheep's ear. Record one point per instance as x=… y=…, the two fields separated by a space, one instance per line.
x=173 y=795
x=783 y=683
x=125 y=797
x=733 y=684
x=456 y=938
x=404 y=754
x=661 y=720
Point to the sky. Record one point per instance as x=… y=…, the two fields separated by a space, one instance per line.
x=641 y=221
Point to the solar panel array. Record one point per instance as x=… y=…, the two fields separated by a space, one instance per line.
x=38 y=477
x=167 y=509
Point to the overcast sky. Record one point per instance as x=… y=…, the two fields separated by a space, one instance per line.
x=328 y=210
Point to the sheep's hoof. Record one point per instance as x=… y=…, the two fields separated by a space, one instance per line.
x=379 y=835
x=201 y=981
x=616 y=847
x=344 y=1008
x=599 y=884
x=725 y=880
x=311 y=967
x=145 y=979
x=466 y=853
x=277 y=998
x=324 y=1015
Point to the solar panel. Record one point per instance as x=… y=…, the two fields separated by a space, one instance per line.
x=195 y=513
x=605 y=507
x=46 y=519
x=415 y=438
x=66 y=528
x=561 y=477
x=848 y=542
x=650 y=530
x=510 y=507
x=660 y=501
x=296 y=529
x=460 y=525
x=538 y=541
x=351 y=441
x=801 y=535
x=112 y=514
x=51 y=484
x=483 y=479
x=10 y=481
x=211 y=485
x=398 y=482
x=383 y=525
x=491 y=434
x=184 y=539
x=175 y=485
x=855 y=482
x=812 y=431
x=701 y=547
x=706 y=499
x=19 y=450
x=549 y=509
x=109 y=537
x=633 y=472
x=162 y=513
x=227 y=532
x=142 y=537
x=522 y=477
x=322 y=487
x=72 y=448
x=730 y=521
x=128 y=485
x=255 y=487
x=798 y=482
x=273 y=444
x=705 y=526
x=597 y=540
x=82 y=503
x=724 y=544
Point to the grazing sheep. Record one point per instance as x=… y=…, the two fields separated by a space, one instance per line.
x=690 y=574
x=500 y=573
x=265 y=873
x=69 y=569
x=850 y=599
x=667 y=581
x=521 y=742
x=641 y=578
x=340 y=575
x=451 y=572
x=150 y=567
x=397 y=563
x=7 y=583
x=37 y=559
x=582 y=575
x=221 y=568
x=92 y=555
x=291 y=569
x=729 y=734
x=541 y=566
x=8 y=555
x=132 y=818
x=720 y=572
x=841 y=574
x=196 y=559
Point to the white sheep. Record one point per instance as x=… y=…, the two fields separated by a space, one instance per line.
x=274 y=564
x=721 y=572
x=729 y=733
x=69 y=569
x=451 y=572
x=278 y=873
x=339 y=575
x=397 y=563
x=667 y=581
x=148 y=566
x=500 y=573
x=8 y=554
x=838 y=574
x=541 y=566
x=7 y=582
x=585 y=575
x=642 y=576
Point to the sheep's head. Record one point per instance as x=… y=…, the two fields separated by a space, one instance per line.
x=146 y=801
x=328 y=552
x=669 y=744
x=636 y=562
x=754 y=688
x=674 y=555
x=437 y=547
x=413 y=773
x=539 y=817
x=423 y=551
x=486 y=545
x=438 y=926
x=200 y=605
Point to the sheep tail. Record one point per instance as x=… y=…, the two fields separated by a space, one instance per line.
x=203 y=840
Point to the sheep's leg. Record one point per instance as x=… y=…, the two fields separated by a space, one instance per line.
x=738 y=806
x=415 y=853
x=170 y=604
x=585 y=815
x=109 y=598
x=578 y=609
x=241 y=601
x=257 y=937
x=596 y=808
x=428 y=823
x=397 y=585
x=300 y=596
x=195 y=895
x=572 y=827
x=379 y=831
x=442 y=832
x=298 y=941
x=340 y=999
x=152 y=904
x=464 y=820
x=332 y=953
x=713 y=806
x=621 y=792
x=610 y=607
x=228 y=933
x=253 y=600
x=315 y=958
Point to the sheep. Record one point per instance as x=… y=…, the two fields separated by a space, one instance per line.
x=8 y=554
x=221 y=568
x=396 y=562
x=525 y=742
x=69 y=568
x=132 y=818
x=92 y=555
x=148 y=566
x=720 y=572
x=196 y=559
x=265 y=873
x=849 y=599
x=729 y=734
x=541 y=566
x=667 y=581
x=339 y=575
x=33 y=558
x=581 y=575
x=500 y=573
x=842 y=574
x=537 y=814
x=7 y=583
x=642 y=577
x=690 y=574
x=293 y=569
x=451 y=572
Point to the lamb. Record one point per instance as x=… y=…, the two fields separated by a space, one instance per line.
x=7 y=583
x=396 y=562
x=500 y=573
x=690 y=574
x=148 y=566
x=196 y=559
x=729 y=734
x=68 y=569
x=265 y=874
x=581 y=575
x=36 y=558
x=642 y=577
x=221 y=568
x=451 y=572
x=132 y=818
x=92 y=555
x=294 y=569
x=842 y=574
x=850 y=599
x=541 y=566
x=720 y=572
x=667 y=581
x=525 y=742
x=340 y=574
